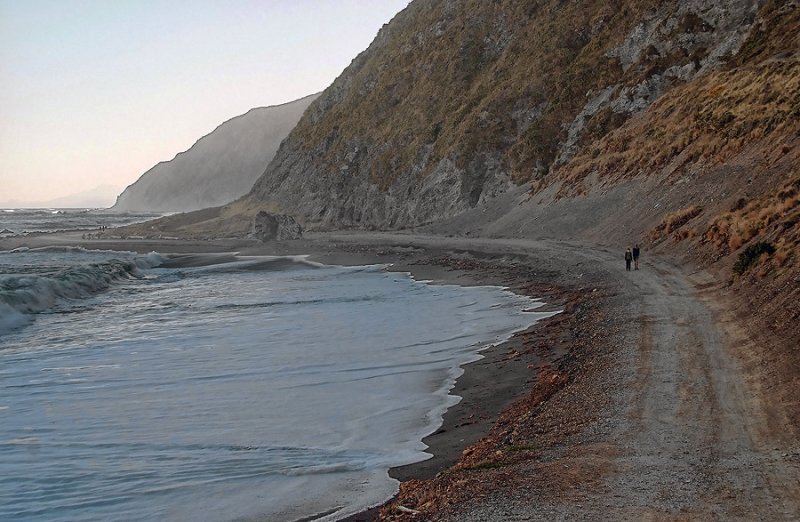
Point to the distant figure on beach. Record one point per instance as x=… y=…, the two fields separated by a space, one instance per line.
x=628 y=259
x=636 y=257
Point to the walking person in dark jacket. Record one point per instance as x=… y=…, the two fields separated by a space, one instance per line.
x=628 y=259
x=636 y=257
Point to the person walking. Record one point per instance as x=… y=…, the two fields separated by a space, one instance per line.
x=636 y=257
x=628 y=259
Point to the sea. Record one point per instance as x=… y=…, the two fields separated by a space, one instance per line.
x=23 y=221
x=220 y=387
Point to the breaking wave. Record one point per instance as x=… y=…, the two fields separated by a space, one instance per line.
x=22 y=295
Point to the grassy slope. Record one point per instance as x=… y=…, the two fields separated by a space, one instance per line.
x=497 y=60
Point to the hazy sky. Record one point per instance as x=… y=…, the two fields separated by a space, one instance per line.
x=96 y=92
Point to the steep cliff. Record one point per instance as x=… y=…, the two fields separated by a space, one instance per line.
x=673 y=124
x=219 y=167
x=455 y=102
x=564 y=119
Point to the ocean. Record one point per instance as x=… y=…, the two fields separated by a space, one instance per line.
x=222 y=387
x=21 y=221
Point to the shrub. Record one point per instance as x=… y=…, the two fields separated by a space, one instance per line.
x=751 y=254
x=739 y=204
x=734 y=241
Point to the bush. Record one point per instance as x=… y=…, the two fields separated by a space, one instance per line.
x=751 y=254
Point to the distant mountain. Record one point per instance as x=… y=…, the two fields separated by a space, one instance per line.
x=219 y=167
x=101 y=196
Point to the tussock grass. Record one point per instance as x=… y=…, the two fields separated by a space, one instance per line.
x=707 y=121
x=775 y=214
x=674 y=221
x=485 y=77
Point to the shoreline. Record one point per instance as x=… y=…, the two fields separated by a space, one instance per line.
x=502 y=375
x=623 y=419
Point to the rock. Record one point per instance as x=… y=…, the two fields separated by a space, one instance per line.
x=275 y=227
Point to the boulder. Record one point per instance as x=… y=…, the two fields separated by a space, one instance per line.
x=275 y=227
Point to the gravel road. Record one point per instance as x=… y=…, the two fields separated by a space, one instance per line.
x=685 y=439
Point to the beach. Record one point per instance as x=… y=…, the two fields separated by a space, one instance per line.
x=570 y=417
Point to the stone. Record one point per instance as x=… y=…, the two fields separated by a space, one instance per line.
x=275 y=227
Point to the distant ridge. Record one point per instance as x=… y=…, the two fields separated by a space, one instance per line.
x=219 y=167
x=98 y=197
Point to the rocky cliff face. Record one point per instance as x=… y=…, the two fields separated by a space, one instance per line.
x=219 y=168
x=456 y=102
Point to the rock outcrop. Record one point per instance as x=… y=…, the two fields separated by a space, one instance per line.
x=219 y=168
x=275 y=227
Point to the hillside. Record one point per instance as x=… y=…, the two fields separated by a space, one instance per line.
x=536 y=141
x=219 y=167
x=455 y=102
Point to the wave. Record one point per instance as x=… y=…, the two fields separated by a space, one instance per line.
x=293 y=302
x=233 y=262
x=22 y=295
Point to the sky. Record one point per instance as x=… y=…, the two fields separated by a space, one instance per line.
x=96 y=92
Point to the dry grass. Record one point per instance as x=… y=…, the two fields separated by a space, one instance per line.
x=713 y=118
x=486 y=77
x=706 y=122
x=776 y=214
x=674 y=221
x=771 y=219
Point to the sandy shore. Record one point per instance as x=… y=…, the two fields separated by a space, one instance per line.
x=629 y=405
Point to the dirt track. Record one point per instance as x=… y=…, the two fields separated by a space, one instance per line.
x=685 y=437
x=693 y=443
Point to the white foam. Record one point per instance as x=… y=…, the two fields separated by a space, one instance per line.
x=63 y=273
x=23 y=440
x=151 y=260
x=11 y=319
x=369 y=357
